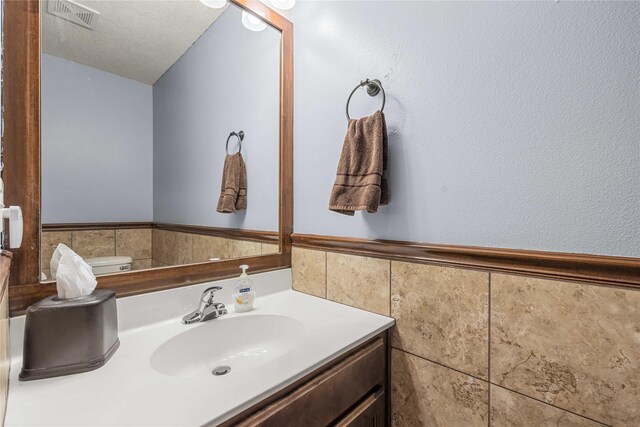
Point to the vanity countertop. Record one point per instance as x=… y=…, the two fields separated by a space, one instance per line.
x=128 y=390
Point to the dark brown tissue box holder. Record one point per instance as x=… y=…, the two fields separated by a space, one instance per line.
x=68 y=336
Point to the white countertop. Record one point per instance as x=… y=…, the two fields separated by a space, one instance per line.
x=128 y=391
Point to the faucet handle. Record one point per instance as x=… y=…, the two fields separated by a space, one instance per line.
x=207 y=309
x=209 y=293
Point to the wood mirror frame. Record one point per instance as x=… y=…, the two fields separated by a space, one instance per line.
x=21 y=174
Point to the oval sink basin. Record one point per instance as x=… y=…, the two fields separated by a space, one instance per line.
x=242 y=343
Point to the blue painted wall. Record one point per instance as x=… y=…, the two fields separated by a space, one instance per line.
x=512 y=124
x=97 y=138
x=227 y=81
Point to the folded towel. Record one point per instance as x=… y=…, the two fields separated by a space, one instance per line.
x=233 y=195
x=361 y=178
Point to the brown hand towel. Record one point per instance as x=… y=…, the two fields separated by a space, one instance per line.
x=233 y=195
x=361 y=178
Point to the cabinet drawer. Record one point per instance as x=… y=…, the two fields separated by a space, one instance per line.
x=324 y=398
x=370 y=412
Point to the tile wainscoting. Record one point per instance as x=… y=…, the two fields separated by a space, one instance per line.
x=174 y=247
x=150 y=247
x=135 y=243
x=477 y=347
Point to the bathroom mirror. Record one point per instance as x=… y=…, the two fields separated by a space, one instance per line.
x=141 y=103
x=116 y=125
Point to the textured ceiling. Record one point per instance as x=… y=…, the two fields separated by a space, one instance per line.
x=138 y=39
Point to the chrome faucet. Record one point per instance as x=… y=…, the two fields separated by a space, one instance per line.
x=208 y=309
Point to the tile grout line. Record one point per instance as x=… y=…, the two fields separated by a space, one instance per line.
x=440 y=364
x=489 y=352
x=326 y=275
x=549 y=404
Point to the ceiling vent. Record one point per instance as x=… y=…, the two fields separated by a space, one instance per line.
x=74 y=12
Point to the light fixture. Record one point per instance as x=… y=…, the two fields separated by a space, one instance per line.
x=283 y=4
x=252 y=22
x=214 y=4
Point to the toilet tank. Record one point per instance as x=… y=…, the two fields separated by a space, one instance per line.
x=109 y=264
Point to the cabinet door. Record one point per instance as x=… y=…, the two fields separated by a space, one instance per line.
x=369 y=413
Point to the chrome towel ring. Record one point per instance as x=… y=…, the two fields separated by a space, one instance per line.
x=373 y=88
x=240 y=136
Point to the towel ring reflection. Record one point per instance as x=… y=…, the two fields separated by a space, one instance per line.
x=240 y=136
x=373 y=88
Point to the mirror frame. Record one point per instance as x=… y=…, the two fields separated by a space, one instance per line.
x=21 y=174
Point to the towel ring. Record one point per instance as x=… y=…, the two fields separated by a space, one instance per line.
x=240 y=136
x=373 y=88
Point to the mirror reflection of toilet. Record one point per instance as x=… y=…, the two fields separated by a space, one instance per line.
x=109 y=264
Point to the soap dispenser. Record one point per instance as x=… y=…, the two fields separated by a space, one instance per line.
x=245 y=294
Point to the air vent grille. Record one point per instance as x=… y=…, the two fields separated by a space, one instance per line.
x=74 y=12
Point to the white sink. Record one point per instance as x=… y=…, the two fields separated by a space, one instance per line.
x=241 y=343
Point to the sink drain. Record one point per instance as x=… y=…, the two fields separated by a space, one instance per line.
x=221 y=370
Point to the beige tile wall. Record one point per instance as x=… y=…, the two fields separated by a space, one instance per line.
x=150 y=248
x=477 y=348
x=174 y=248
x=135 y=243
x=359 y=282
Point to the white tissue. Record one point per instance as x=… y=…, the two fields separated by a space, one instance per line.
x=73 y=275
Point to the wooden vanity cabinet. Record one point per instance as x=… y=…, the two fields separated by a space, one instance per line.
x=370 y=412
x=352 y=391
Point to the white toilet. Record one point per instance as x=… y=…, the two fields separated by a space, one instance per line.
x=109 y=264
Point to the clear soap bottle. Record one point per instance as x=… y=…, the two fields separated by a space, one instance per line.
x=245 y=294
